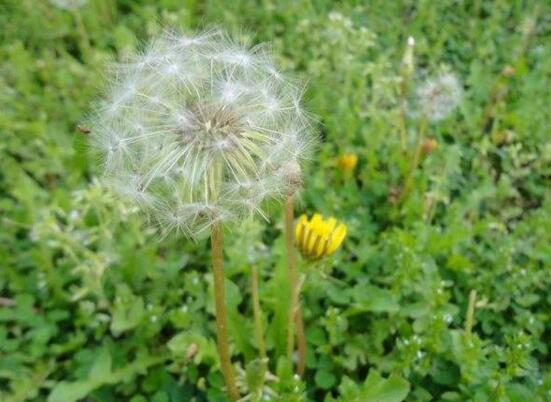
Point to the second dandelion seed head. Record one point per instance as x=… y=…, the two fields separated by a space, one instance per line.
x=439 y=96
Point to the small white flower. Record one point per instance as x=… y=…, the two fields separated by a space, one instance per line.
x=201 y=129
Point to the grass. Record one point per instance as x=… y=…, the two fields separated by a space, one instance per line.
x=94 y=307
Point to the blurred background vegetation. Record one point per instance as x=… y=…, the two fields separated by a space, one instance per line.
x=93 y=307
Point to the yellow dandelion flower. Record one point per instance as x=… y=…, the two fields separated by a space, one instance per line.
x=347 y=163
x=319 y=237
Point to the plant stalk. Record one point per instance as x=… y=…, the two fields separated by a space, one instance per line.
x=301 y=341
x=469 y=321
x=415 y=160
x=291 y=273
x=221 y=311
x=403 y=119
x=257 y=313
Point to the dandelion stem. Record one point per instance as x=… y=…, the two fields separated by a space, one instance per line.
x=408 y=68
x=415 y=160
x=301 y=342
x=403 y=126
x=469 y=321
x=221 y=311
x=295 y=320
x=257 y=313
x=291 y=273
x=403 y=120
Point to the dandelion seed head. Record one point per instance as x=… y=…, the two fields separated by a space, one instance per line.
x=438 y=97
x=201 y=129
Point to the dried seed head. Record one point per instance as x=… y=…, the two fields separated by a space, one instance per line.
x=438 y=97
x=200 y=129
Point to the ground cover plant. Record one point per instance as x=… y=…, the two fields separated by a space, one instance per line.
x=433 y=160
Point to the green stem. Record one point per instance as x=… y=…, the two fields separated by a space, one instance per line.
x=403 y=120
x=301 y=342
x=291 y=272
x=295 y=322
x=408 y=69
x=221 y=311
x=415 y=160
x=257 y=313
x=469 y=321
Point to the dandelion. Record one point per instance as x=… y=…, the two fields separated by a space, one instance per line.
x=319 y=237
x=315 y=238
x=347 y=163
x=198 y=132
x=201 y=131
x=438 y=97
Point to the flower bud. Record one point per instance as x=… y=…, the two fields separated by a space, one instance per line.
x=428 y=146
x=347 y=162
x=319 y=237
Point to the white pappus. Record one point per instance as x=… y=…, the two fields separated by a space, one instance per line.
x=439 y=96
x=201 y=129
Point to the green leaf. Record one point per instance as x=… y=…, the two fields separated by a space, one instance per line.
x=375 y=299
x=255 y=374
x=128 y=311
x=325 y=379
x=70 y=391
x=375 y=389
x=101 y=370
x=191 y=345
x=378 y=389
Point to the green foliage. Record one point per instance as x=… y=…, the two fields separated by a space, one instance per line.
x=94 y=306
x=375 y=389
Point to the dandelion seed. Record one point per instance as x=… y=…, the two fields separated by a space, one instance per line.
x=200 y=130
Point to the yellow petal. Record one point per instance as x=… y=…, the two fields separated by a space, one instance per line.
x=336 y=239
x=312 y=242
x=330 y=225
x=320 y=247
x=316 y=221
